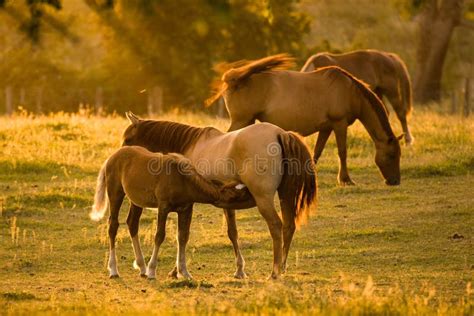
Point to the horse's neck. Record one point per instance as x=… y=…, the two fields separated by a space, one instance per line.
x=372 y=123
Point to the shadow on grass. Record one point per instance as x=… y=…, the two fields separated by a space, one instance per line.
x=191 y=284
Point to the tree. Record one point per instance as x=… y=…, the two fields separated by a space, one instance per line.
x=436 y=23
x=178 y=42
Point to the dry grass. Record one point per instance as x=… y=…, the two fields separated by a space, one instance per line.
x=369 y=249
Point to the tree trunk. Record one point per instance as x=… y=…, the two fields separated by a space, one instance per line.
x=436 y=24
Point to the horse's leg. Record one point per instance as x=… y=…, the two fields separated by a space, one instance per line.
x=288 y=216
x=234 y=238
x=380 y=93
x=184 y=222
x=401 y=111
x=159 y=237
x=266 y=207
x=133 y=221
x=321 y=143
x=116 y=196
x=340 y=130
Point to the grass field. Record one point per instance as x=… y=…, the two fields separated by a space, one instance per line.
x=368 y=249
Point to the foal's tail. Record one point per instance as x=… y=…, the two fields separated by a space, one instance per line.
x=101 y=202
x=298 y=185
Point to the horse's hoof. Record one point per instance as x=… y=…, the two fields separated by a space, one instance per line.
x=273 y=277
x=143 y=275
x=173 y=274
x=114 y=276
x=348 y=182
x=240 y=275
x=150 y=277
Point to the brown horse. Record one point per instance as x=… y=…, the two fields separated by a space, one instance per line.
x=274 y=161
x=326 y=100
x=384 y=72
x=169 y=182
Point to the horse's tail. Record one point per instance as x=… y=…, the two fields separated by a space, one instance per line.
x=101 y=202
x=405 y=89
x=317 y=61
x=236 y=75
x=298 y=185
x=241 y=70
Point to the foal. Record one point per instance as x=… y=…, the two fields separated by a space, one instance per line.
x=169 y=182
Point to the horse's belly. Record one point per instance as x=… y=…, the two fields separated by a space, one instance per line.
x=302 y=123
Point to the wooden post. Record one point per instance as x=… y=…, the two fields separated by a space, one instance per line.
x=453 y=102
x=22 y=96
x=39 y=100
x=467 y=97
x=9 y=100
x=155 y=101
x=99 y=101
x=150 y=105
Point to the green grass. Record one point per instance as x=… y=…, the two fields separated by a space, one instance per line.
x=368 y=249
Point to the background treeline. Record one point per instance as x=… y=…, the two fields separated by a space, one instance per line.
x=119 y=55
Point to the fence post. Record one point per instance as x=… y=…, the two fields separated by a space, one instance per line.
x=22 y=96
x=99 y=101
x=155 y=101
x=8 y=100
x=467 y=97
x=39 y=100
x=454 y=105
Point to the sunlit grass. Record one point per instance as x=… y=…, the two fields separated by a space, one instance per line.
x=369 y=248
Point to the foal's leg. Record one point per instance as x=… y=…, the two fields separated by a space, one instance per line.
x=184 y=222
x=234 y=238
x=133 y=221
x=115 y=199
x=159 y=237
x=340 y=129
x=320 y=144
x=289 y=226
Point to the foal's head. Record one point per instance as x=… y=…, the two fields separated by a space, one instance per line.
x=387 y=158
x=230 y=193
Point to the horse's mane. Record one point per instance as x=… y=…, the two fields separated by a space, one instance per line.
x=166 y=137
x=235 y=73
x=372 y=98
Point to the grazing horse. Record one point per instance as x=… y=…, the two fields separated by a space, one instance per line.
x=169 y=182
x=326 y=100
x=263 y=157
x=385 y=73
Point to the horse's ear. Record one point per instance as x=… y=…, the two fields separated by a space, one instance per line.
x=400 y=137
x=132 y=117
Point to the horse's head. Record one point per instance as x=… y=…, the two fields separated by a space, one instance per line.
x=129 y=137
x=387 y=159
